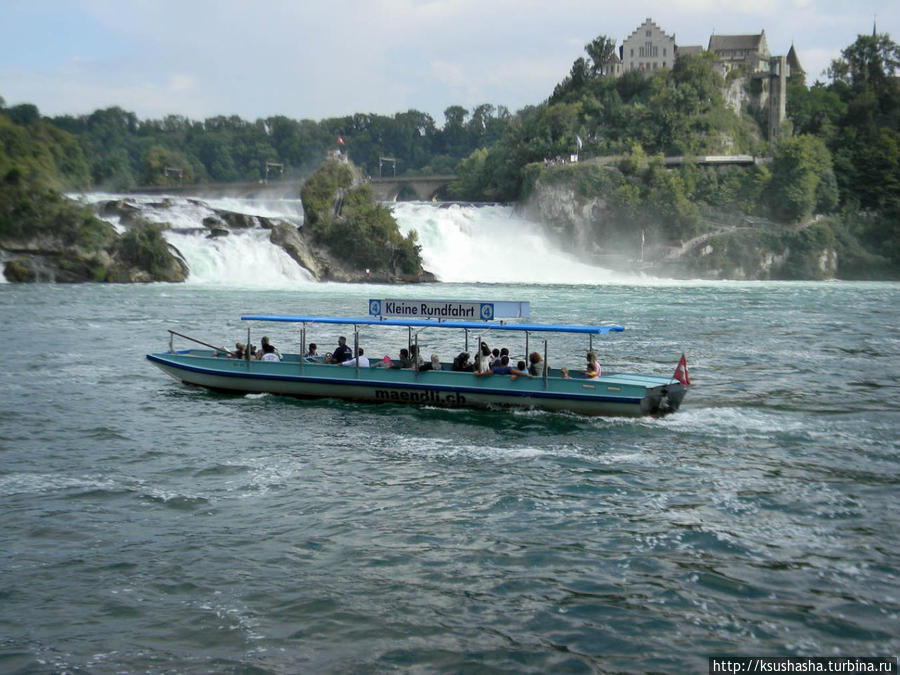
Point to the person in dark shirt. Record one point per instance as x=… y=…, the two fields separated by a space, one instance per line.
x=462 y=363
x=341 y=353
x=404 y=361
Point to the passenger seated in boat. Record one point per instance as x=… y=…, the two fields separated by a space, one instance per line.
x=521 y=365
x=505 y=369
x=593 y=366
x=462 y=364
x=239 y=351
x=536 y=366
x=564 y=373
x=483 y=358
x=341 y=353
x=360 y=357
x=383 y=363
x=262 y=349
x=495 y=357
x=268 y=353
x=404 y=361
x=312 y=353
x=416 y=357
x=433 y=364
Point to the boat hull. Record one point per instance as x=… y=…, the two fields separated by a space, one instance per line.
x=617 y=395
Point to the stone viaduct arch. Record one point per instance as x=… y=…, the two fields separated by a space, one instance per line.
x=424 y=187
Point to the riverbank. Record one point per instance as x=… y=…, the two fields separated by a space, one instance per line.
x=632 y=220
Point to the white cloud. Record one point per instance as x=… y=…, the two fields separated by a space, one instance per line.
x=307 y=59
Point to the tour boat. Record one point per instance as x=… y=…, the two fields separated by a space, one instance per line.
x=613 y=394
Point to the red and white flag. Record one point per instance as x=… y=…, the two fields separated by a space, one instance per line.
x=340 y=141
x=681 y=372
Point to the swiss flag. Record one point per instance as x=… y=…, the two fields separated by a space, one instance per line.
x=681 y=372
x=340 y=141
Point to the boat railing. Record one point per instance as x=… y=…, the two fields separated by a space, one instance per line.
x=173 y=333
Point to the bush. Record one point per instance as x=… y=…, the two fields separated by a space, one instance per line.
x=320 y=192
x=144 y=247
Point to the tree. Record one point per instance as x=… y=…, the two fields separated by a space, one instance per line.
x=870 y=61
x=866 y=146
x=602 y=51
x=24 y=114
x=159 y=159
x=799 y=167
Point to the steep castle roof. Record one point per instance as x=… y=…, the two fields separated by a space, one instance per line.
x=732 y=42
x=649 y=23
x=794 y=62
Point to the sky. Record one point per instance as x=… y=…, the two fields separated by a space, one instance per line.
x=331 y=58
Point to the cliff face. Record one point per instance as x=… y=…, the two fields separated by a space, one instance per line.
x=582 y=208
x=568 y=216
x=60 y=241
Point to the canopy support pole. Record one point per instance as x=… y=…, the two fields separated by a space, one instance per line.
x=527 y=360
x=356 y=347
x=546 y=368
x=302 y=345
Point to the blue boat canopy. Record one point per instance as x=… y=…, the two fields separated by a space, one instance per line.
x=424 y=323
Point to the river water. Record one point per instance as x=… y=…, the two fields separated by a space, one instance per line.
x=149 y=526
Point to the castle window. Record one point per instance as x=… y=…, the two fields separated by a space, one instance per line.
x=649 y=33
x=664 y=53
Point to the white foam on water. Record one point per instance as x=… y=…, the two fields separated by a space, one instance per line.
x=453 y=449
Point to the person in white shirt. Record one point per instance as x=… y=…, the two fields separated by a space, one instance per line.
x=263 y=351
x=363 y=360
x=268 y=353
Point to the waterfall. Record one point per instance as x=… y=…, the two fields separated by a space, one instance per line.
x=490 y=243
x=460 y=242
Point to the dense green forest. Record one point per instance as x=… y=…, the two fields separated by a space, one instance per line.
x=839 y=152
x=119 y=151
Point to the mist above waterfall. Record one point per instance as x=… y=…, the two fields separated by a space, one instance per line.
x=490 y=243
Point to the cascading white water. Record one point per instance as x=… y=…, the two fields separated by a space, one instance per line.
x=244 y=257
x=460 y=242
x=490 y=243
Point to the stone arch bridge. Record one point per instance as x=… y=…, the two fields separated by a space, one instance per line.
x=425 y=188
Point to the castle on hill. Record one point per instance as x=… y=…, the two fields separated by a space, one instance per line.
x=754 y=77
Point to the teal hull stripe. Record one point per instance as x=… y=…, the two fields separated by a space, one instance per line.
x=399 y=385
